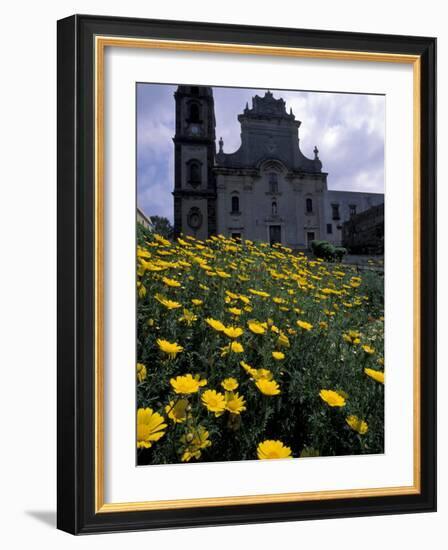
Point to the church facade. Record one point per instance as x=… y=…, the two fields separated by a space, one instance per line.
x=267 y=190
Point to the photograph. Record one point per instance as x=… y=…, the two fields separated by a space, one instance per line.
x=259 y=274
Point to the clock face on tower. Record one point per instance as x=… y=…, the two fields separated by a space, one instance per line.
x=195 y=129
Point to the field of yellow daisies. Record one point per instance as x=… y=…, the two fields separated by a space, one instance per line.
x=247 y=351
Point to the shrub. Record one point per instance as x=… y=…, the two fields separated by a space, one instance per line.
x=340 y=252
x=328 y=252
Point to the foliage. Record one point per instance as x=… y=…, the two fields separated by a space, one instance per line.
x=327 y=251
x=143 y=233
x=249 y=350
x=373 y=287
x=339 y=253
x=163 y=226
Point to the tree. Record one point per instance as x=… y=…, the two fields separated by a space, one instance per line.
x=162 y=226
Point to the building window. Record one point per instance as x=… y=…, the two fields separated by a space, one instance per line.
x=352 y=209
x=273 y=183
x=194 y=113
x=309 y=206
x=194 y=173
x=335 y=211
x=236 y=236
x=310 y=237
x=329 y=228
x=235 y=205
x=274 y=208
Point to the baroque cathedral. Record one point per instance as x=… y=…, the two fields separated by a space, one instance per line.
x=267 y=190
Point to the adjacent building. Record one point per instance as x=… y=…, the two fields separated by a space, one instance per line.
x=267 y=190
x=364 y=233
x=144 y=219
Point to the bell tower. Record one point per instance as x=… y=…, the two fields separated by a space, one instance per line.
x=194 y=156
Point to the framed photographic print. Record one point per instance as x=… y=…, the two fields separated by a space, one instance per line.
x=246 y=245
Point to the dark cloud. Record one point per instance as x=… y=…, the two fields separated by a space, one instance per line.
x=348 y=129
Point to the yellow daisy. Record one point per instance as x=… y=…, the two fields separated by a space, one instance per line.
x=304 y=325
x=283 y=340
x=375 y=374
x=234 y=347
x=352 y=337
x=250 y=370
x=187 y=384
x=267 y=387
x=141 y=372
x=233 y=332
x=259 y=293
x=216 y=325
x=214 y=401
x=256 y=327
x=150 y=427
x=195 y=441
x=332 y=398
x=229 y=384
x=273 y=449
x=171 y=282
x=357 y=424
x=188 y=317
x=169 y=304
x=177 y=410
x=235 y=403
x=170 y=348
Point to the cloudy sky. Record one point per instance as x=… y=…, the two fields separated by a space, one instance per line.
x=348 y=130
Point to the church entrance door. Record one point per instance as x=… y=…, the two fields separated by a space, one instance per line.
x=275 y=234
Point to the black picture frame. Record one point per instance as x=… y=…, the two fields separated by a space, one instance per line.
x=76 y=256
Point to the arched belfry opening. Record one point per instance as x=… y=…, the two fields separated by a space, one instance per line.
x=194 y=113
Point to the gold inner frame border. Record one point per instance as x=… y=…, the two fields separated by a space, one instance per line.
x=101 y=42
